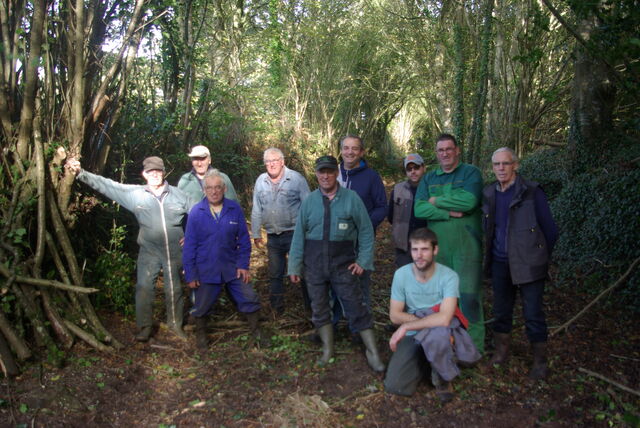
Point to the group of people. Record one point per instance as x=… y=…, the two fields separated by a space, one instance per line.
x=328 y=235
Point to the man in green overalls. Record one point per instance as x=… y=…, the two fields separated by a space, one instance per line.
x=449 y=198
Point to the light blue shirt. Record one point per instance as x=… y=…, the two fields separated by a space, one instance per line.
x=276 y=206
x=418 y=295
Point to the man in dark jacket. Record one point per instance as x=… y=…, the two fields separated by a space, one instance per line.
x=401 y=214
x=519 y=236
x=216 y=253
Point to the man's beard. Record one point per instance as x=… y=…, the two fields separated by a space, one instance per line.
x=426 y=267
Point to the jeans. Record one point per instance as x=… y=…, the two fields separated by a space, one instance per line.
x=504 y=296
x=277 y=250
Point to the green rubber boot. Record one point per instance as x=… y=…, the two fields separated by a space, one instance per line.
x=326 y=335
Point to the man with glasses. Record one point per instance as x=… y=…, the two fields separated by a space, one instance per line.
x=160 y=210
x=277 y=196
x=449 y=199
x=217 y=250
x=401 y=214
x=519 y=236
x=192 y=182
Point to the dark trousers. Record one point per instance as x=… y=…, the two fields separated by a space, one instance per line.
x=204 y=297
x=277 y=250
x=407 y=367
x=346 y=287
x=504 y=297
x=403 y=258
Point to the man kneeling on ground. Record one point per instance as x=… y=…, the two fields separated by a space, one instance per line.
x=424 y=303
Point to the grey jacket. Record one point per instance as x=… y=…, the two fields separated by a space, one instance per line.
x=160 y=218
x=277 y=210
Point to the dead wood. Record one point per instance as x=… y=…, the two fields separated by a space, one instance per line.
x=594 y=301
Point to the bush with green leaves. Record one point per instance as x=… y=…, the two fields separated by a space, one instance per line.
x=598 y=214
x=114 y=274
x=549 y=168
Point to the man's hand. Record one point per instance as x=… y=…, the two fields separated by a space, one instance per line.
x=243 y=274
x=181 y=242
x=258 y=242
x=73 y=166
x=193 y=284
x=397 y=337
x=432 y=200
x=456 y=214
x=355 y=269
x=294 y=278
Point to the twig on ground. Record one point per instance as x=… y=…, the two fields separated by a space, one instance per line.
x=622 y=357
x=594 y=301
x=612 y=382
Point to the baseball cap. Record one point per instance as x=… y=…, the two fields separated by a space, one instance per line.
x=199 y=152
x=151 y=163
x=326 y=162
x=413 y=158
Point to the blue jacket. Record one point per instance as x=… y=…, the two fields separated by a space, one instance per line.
x=214 y=249
x=368 y=185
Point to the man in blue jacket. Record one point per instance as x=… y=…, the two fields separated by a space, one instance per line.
x=333 y=242
x=216 y=253
x=356 y=175
x=160 y=210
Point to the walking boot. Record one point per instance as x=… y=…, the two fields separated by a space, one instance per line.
x=144 y=334
x=444 y=389
x=326 y=335
x=373 y=358
x=202 y=341
x=539 y=368
x=501 y=340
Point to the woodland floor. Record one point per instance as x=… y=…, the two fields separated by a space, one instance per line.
x=166 y=382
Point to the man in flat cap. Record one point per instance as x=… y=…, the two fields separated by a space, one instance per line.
x=192 y=182
x=160 y=210
x=332 y=246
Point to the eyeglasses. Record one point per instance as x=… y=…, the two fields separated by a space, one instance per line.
x=412 y=167
x=502 y=163
x=271 y=161
x=447 y=150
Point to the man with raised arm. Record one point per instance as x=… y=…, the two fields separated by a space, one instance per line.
x=160 y=210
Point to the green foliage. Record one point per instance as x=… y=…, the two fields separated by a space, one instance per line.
x=599 y=219
x=549 y=168
x=113 y=272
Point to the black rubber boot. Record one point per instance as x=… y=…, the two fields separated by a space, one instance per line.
x=373 y=358
x=444 y=389
x=501 y=354
x=202 y=341
x=539 y=368
x=326 y=335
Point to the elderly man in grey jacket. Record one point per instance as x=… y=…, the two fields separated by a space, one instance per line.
x=277 y=196
x=160 y=210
